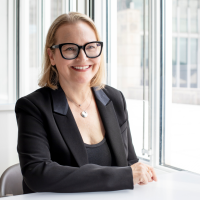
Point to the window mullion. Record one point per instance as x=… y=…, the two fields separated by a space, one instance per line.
x=72 y=5
x=39 y=34
x=100 y=21
x=46 y=18
x=11 y=52
x=188 y=48
x=112 y=45
x=65 y=6
x=150 y=75
x=24 y=47
x=154 y=159
x=198 y=50
x=17 y=37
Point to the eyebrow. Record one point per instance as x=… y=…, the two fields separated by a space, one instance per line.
x=66 y=39
x=79 y=44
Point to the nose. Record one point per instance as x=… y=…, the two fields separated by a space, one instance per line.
x=82 y=55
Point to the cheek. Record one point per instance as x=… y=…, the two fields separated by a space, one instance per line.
x=63 y=69
x=62 y=64
x=59 y=59
x=97 y=62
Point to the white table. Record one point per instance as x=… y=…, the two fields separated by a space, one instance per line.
x=171 y=186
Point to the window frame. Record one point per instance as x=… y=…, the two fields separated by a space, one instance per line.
x=166 y=97
x=11 y=57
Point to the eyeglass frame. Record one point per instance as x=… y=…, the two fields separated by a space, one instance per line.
x=79 y=47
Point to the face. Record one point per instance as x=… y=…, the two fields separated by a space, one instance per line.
x=79 y=33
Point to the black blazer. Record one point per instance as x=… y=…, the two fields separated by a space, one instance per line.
x=51 y=151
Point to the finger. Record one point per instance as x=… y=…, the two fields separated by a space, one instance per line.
x=144 y=179
x=148 y=177
x=154 y=175
x=150 y=173
x=148 y=168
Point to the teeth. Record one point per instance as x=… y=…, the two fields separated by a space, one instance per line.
x=81 y=67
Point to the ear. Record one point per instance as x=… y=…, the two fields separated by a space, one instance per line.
x=51 y=56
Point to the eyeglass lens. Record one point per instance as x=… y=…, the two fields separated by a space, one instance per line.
x=70 y=51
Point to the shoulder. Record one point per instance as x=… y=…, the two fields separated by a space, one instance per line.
x=118 y=101
x=111 y=91
x=115 y=95
x=39 y=98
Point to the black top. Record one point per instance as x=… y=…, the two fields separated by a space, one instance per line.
x=100 y=153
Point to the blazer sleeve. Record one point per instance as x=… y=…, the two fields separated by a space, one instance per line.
x=132 y=157
x=41 y=174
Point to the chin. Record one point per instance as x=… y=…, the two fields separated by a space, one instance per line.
x=83 y=81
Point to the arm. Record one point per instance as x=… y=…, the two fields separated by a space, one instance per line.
x=132 y=158
x=41 y=174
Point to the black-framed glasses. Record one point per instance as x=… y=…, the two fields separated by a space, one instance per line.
x=71 y=51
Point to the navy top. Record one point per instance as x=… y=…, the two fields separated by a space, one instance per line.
x=100 y=153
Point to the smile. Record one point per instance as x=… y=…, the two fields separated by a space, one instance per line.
x=82 y=69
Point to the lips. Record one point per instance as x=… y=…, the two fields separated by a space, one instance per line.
x=81 y=68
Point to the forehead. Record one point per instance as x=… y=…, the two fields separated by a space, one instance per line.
x=79 y=33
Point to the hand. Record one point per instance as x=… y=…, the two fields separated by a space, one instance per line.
x=142 y=173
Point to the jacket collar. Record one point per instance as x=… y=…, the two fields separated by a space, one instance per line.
x=60 y=104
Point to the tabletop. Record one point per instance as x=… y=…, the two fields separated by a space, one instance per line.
x=171 y=186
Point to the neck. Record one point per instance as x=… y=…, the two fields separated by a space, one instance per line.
x=76 y=92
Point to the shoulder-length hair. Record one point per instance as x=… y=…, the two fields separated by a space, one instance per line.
x=49 y=74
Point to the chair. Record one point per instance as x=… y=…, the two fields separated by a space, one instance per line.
x=11 y=181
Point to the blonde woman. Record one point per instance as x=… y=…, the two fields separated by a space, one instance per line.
x=73 y=132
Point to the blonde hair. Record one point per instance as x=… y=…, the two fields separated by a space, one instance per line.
x=49 y=74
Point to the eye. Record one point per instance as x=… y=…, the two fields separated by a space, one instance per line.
x=93 y=46
x=70 y=49
x=90 y=47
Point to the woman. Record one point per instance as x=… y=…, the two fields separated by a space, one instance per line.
x=73 y=133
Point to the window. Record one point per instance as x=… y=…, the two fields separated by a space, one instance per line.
x=159 y=78
x=35 y=19
x=182 y=96
x=7 y=52
x=132 y=68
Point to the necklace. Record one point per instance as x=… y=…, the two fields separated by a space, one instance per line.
x=83 y=101
x=76 y=103
x=83 y=114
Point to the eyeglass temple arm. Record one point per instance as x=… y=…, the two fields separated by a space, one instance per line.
x=54 y=46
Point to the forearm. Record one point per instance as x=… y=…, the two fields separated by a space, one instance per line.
x=52 y=177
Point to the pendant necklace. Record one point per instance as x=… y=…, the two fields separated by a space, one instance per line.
x=83 y=114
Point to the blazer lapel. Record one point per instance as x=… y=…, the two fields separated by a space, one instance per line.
x=113 y=131
x=72 y=136
x=67 y=126
x=70 y=132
